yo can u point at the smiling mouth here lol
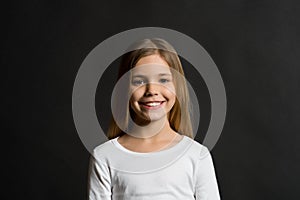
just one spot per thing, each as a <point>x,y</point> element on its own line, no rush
<point>152,104</point>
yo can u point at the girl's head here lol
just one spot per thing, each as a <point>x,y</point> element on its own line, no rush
<point>156,80</point>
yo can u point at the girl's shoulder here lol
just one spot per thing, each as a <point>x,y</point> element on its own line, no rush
<point>192,148</point>
<point>197,149</point>
<point>103,150</point>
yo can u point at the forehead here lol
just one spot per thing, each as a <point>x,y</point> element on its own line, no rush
<point>152,65</point>
<point>151,69</point>
<point>155,58</point>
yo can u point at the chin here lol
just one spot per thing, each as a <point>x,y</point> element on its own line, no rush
<point>156,116</point>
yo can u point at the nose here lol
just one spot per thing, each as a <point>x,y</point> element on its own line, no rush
<point>151,89</point>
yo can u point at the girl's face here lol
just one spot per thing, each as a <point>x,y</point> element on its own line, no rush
<point>153,91</point>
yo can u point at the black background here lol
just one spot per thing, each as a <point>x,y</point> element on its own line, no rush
<point>254,43</point>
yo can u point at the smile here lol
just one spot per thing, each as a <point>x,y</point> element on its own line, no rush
<point>152,104</point>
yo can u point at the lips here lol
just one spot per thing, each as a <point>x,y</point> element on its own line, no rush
<point>151,104</point>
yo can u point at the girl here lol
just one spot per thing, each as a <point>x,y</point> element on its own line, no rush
<point>151,153</point>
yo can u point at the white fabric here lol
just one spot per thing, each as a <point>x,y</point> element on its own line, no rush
<point>190,176</point>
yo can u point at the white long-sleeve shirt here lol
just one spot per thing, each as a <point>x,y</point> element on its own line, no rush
<point>183,172</point>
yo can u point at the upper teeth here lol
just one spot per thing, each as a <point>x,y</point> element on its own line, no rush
<point>152,104</point>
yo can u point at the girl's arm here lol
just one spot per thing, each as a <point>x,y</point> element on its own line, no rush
<point>206,187</point>
<point>99,183</point>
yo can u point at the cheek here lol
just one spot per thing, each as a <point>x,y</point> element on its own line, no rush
<point>170,96</point>
<point>136,95</point>
<point>170,92</point>
<point>171,88</point>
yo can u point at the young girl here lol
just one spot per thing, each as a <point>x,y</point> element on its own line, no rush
<point>151,153</point>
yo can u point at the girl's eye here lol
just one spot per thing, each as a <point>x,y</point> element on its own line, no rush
<point>138,82</point>
<point>164,80</point>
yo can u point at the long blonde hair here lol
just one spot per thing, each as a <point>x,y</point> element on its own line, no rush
<point>179,116</point>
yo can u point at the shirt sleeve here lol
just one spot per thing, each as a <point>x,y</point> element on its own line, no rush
<point>99,181</point>
<point>206,187</point>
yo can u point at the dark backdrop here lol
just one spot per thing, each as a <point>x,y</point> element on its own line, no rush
<point>255,44</point>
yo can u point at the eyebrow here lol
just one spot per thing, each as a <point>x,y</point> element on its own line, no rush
<point>143,76</point>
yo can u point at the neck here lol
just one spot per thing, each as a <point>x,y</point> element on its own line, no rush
<point>154,131</point>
